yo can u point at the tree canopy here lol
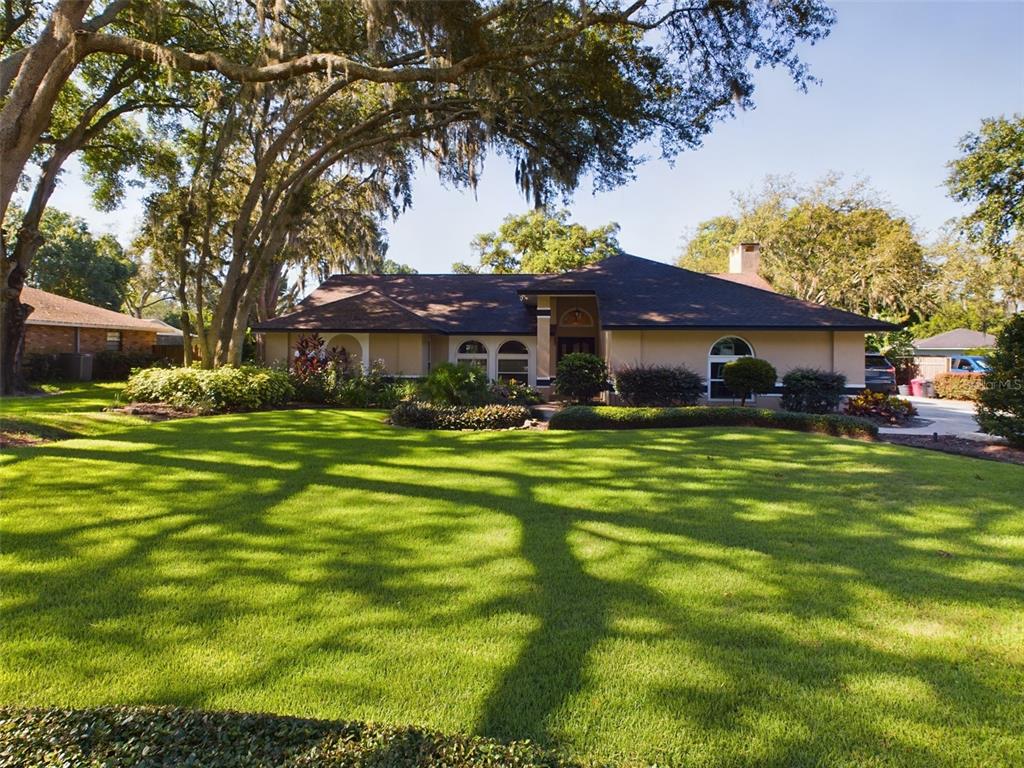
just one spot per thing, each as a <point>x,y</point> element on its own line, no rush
<point>78,265</point>
<point>989,175</point>
<point>828,243</point>
<point>541,241</point>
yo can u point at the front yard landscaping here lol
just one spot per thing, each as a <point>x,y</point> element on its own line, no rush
<point>714,596</point>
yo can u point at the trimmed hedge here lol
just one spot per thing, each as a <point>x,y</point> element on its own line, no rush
<point>119,737</point>
<point>111,365</point>
<point>960,386</point>
<point>580,377</point>
<point>611,417</point>
<point>247,388</point>
<point>427,416</point>
<point>658,385</point>
<point>809,390</point>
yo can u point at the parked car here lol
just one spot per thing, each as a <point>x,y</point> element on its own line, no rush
<point>879,374</point>
<point>968,364</point>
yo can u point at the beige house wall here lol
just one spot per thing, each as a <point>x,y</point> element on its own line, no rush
<point>402,354</point>
<point>842,352</point>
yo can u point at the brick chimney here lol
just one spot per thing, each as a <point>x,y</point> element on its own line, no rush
<point>745,259</point>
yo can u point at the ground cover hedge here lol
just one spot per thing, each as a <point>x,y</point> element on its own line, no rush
<point>428,416</point>
<point>959,386</point>
<point>612,417</point>
<point>247,388</point>
<point>159,737</point>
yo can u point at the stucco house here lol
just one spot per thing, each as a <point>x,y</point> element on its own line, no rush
<point>626,309</point>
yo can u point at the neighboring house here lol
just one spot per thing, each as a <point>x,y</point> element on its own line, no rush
<point>58,324</point>
<point>955,342</point>
<point>626,309</point>
<point>933,355</point>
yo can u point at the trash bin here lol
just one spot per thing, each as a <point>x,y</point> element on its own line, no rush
<point>929,389</point>
<point>917,387</point>
<point>903,389</point>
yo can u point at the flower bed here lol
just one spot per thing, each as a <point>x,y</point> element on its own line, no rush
<point>880,407</point>
<point>611,417</point>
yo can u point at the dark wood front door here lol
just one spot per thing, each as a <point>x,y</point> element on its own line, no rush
<point>569,344</point>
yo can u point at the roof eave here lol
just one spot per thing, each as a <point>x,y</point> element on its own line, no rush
<point>741,326</point>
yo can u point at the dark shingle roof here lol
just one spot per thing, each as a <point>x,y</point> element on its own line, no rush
<point>958,338</point>
<point>639,293</point>
<point>428,303</point>
<point>631,293</point>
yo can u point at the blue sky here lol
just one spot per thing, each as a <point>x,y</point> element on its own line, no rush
<point>900,83</point>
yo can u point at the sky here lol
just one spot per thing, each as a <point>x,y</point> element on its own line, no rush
<point>901,82</point>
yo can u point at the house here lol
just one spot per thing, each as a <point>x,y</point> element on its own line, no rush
<point>955,342</point>
<point>58,324</point>
<point>933,355</point>
<point>626,309</point>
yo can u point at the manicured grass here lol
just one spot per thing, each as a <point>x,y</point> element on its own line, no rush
<point>692,597</point>
<point>73,409</point>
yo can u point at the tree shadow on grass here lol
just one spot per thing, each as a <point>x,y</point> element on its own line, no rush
<point>804,526</point>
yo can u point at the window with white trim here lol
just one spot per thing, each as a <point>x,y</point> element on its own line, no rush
<point>472,353</point>
<point>723,352</point>
<point>514,362</point>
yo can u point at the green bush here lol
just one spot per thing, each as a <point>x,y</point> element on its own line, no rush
<point>112,365</point>
<point>513,392</point>
<point>581,377</point>
<point>40,368</point>
<point>1001,405</point>
<point>611,417</point>
<point>659,385</point>
<point>809,390</point>
<point>880,407</point>
<point>429,416</point>
<point>171,736</point>
<point>748,376</point>
<point>247,388</point>
<point>451,384</point>
<point>959,386</point>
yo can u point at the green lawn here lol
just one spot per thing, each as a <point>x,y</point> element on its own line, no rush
<point>72,409</point>
<point>692,597</point>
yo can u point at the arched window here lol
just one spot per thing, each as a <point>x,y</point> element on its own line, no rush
<point>577,317</point>
<point>514,362</point>
<point>724,351</point>
<point>472,353</point>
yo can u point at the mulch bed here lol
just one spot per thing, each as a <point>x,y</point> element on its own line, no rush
<point>960,446</point>
<point>154,411</point>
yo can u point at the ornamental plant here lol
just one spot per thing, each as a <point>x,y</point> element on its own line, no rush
<point>658,385</point>
<point>959,386</point>
<point>581,377</point>
<point>452,384</point>
<point>1001,403</point>
<point>809,390</point>
<point>748,376</point>
<point>880,407</point>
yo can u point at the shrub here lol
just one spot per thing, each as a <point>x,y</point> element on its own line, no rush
<point>880,407</point>
<point>428,416</point>
<point>581,377</point>
<point>1001,404</point>
<point>513,392</point>
<point>111,365</point>
<point>959,386</point>
<point>246,388</point>
<point>610,417</point>
<point>172,736</point>
<point>37,367</point>
<point>659,385</point>
<point>808,390</point>
<point>748,376</point>
<point>451,384</point>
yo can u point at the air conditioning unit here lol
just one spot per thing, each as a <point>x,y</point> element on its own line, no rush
<point>76,366</point>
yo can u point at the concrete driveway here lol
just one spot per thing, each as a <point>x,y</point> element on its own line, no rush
<point>948,417</point>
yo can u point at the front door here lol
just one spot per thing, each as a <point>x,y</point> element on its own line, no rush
<point>570,344</point>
